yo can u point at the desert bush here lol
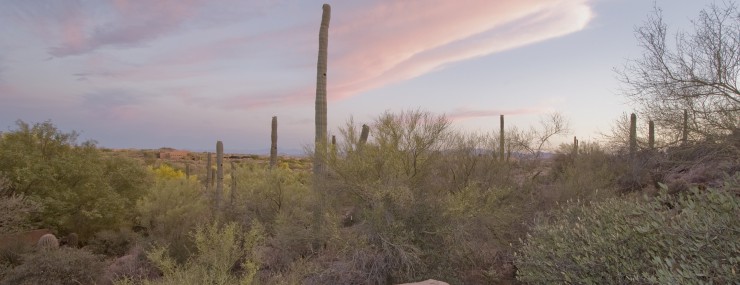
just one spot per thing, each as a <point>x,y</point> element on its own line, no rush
<point>11,255</point>
<point>419,200</point>
<point>386,185</point>
<point>589,175</point>
<point>78,188</point>
<point>219,249</point>
<point>173,207</point>
<point>113,243</point>
<point>262,193</point>
<point>63,266</point>
<point>132,268</point>
<point>687,238</point>
<point>17,213</point>
<point>291,238</point>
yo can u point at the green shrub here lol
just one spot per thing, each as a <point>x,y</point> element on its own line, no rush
<point>589,175</point>
<point>134,267</point>
<point>11,255</point>
<point>219,250</point>
<point>262,193</point>
<point>16,212</point>
<point>113,243</point>
<point>171,210</point>
<point>689,238</point>
<point>78,188</point>
<point>63,266</point>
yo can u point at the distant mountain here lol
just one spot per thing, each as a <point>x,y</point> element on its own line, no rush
<point>257,151</point>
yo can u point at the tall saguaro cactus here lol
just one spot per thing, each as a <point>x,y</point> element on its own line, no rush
<point>651,134</point>
<point>633,134</point>
<point>319,166</point>
<point>575,146</point>
<point>320,145</point>
<point>501,139</point>
<point>273,145</point>
<point>219,174</point>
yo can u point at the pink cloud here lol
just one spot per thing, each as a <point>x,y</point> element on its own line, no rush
<point>465,113</point>
<point>134,22</point>
<point>372,44</point>
<point>397,41</point>
<point>389,42</point>
<point>241,101</point>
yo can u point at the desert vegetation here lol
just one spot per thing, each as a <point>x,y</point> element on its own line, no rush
<point>402,198</point>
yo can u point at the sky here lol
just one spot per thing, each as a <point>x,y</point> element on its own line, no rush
<point>186,73</point>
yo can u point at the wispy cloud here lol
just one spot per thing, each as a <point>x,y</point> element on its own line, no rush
<point>115,103</point>
<point>372,44</point>
<point>378,44</point>
<point>396,41</point>
<point>134,22</point>
<point>80,27</point>
<point>465,113</point>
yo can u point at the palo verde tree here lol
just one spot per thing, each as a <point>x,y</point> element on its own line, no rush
<point>696,70</point>
<point>78,188</point>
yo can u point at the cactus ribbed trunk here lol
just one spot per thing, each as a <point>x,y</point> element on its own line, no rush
<point>232,193</point>
<point>651,134</point>
<point>363,135</point>
<point>333,147</point>
<point>685,138</point>
<point>187,171</point>
<point>320,144</point>
<point>273,144</point>
<point>219,174</point>
<point>501,139</point>
<point>633,135</point>
<point>209,178</point>
<point>575,146</point>
<point>319,164</point>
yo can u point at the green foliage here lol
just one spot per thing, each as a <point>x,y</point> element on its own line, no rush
<point>166,172</point>
<point>590,175</point>
<point>80,190</point>
<point>64,266</point>
<point>172,208</point>
<point>264,193</point>
<point>17,213</point>
<point>113,243</point>
<point>219,250</point>
<point>689,238</point>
